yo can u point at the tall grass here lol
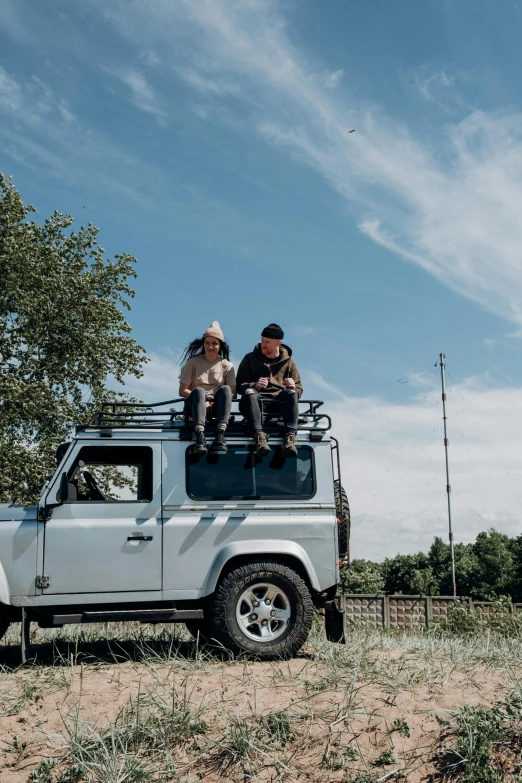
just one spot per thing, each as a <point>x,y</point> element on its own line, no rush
<point>333,712</point>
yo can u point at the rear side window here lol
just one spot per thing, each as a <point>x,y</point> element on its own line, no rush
<point>112,474</point>
<point>239,475</point>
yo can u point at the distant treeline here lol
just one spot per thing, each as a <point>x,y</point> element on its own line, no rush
<point>489,568</point>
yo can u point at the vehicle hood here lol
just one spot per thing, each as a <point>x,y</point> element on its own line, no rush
<point>10,512</point>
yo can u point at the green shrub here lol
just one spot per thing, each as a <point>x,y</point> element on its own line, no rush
<point>278,727</point>
<point>485,744</point>
<point>497,618</point>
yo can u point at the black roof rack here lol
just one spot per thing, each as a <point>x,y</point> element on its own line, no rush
<point>117,415</point>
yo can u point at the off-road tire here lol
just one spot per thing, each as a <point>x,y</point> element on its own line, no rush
<point>221,613</point>
<point>342,510</point>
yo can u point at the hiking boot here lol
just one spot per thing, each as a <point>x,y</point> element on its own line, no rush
<point>289,449</point>
<point>261,443</point>
<point>199,447</point>
<point>219,444</point>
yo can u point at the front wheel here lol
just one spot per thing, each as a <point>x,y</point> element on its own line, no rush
<point>262,608</point>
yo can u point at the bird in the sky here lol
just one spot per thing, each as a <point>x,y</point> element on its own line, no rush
<point>352,130</point>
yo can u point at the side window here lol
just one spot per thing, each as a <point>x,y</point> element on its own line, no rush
<point>239,475</point>
<point>111,474</point>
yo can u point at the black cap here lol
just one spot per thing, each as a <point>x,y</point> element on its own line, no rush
<point>273,331</point>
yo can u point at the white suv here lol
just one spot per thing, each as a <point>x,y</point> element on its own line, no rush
<point>132,527</point>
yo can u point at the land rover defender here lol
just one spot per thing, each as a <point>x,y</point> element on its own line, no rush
<point>133,527</point>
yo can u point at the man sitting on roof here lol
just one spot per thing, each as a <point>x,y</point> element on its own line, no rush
<point>269,373</point>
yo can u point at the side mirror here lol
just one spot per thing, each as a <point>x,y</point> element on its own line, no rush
<point>62,496</point>
<point>64,488</point>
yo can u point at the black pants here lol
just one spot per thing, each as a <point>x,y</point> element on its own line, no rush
<point>195,405</point>
<point>286,403</point>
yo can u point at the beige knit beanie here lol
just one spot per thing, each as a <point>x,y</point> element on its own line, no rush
<point>214,330</point>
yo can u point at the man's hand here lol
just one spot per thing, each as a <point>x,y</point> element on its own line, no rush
<point>262,384</point>
<point>289,383</point>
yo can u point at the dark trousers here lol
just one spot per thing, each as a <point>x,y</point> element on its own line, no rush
<point>196,408</point>
<point>286,404</point>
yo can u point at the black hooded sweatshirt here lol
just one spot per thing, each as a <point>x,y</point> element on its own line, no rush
<point>255,366</point>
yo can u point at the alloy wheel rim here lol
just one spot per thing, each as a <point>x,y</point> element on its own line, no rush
<point>263,612</point>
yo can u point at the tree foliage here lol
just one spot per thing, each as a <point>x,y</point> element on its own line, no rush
<point>63,337</point>
<point>363,576</point>
<point>488,569</point>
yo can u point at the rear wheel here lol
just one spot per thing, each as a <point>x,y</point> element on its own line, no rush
<point>342,509</point>
<point>263,608</point>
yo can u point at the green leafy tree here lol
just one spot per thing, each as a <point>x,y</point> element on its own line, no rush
<point>515,547</point>
<point>488,569</point>
<point>363,576</point>
<point>466,567</point>
<point>411,574</point>
<point>495,570</point>
<point>63,336</point>
<point>440,564</point>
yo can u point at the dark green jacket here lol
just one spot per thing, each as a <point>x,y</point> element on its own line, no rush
<point>255,366</point>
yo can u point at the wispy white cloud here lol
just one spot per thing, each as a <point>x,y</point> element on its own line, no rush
<point>149,57</point>
<point>66,114</point>
<point>31,101</point>
<point>142,94</point>
<point>394,470</point>
<point>41,130</point>
<point>160,380</point>
<point>455,212</point>
<point>204,83</point>
<point>435,85</point>
<point>333,78</point>
<point>325,386</point>
<point>10,93</point>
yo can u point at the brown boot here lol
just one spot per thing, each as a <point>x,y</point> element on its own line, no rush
<point>199,446</point>
<point>289,449</point>
<point>219,444</point>
<point>261,443</point>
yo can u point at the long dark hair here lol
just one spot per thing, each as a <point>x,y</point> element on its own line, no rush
<point>197,347</point>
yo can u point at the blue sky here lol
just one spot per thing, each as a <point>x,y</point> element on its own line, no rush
<point>211,140</point>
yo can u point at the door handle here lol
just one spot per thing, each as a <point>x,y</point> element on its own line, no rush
<point>139,538</point>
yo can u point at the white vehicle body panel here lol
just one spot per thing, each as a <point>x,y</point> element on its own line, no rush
<point>87,547</point>
<point>19,533</point>
<point>199,535</point>
<point>84,550</point>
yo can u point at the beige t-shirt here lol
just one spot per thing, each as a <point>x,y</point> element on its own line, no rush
<point>198,371</point>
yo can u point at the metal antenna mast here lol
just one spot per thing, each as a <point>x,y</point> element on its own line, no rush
<point>448,485</point>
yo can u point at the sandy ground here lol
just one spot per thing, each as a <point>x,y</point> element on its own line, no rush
<point>344,708</point>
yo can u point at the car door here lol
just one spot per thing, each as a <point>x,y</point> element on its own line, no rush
<point>107,537</point>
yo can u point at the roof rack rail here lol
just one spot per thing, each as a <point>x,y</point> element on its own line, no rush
<point>116,415</point>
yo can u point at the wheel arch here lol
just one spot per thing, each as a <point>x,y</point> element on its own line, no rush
<point>286,552</point>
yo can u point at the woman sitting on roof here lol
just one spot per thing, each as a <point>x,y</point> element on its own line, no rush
<point>208,381</point>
